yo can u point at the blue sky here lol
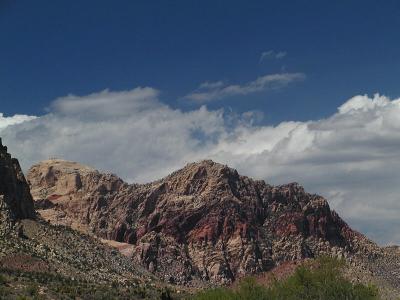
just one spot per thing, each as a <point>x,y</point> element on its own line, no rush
<point>54,48</point>
<point>284,91</point>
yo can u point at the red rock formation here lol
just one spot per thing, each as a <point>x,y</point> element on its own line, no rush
<point>204,221</point>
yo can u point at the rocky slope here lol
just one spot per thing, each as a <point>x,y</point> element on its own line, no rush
<point>61,263</point>
<point>204,222</point>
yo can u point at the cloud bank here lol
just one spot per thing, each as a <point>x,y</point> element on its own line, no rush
<point>209,91</point>
<point>352,158</point>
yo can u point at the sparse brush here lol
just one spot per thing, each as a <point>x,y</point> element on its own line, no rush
<point>309,282</point>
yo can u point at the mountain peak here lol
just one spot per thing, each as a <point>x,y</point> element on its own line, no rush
<point>211,167</point>
<point>62,165</point>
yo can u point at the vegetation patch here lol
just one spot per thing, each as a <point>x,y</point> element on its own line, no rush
<point>321,280</point>
<point>18,285</point>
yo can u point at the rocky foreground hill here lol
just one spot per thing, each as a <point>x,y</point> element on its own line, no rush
<point>207,223</point>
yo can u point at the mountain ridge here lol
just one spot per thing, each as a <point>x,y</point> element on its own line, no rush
<point>205,219</point>
<point>201,225</point>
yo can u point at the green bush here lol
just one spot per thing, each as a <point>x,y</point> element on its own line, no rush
<point>320,281</point>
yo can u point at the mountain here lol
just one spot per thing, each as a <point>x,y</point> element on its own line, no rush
<point>44,261</point>
<point>203,223</point>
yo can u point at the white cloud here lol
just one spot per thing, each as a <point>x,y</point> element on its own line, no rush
<point>107,104</point>
<point>128,132</point>
<point>271,54</point>
<point>209,91</point>
<point>352,157</point>
<point>16,119</point>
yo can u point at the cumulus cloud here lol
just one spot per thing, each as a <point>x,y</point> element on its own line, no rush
<point>16,119</point>
<point>352,158</point>
<point>129,132</point>
<point>209,91</point>
<point>271,54</point>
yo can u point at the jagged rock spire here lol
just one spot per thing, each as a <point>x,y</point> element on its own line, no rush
<point>15,199</point>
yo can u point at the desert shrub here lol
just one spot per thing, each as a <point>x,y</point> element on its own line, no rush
<point>216,294</point>
<point>3,280</point>
<point>3,290</point>
<point>322,280</point>
<point>32,290</point>
<point>166,294</point>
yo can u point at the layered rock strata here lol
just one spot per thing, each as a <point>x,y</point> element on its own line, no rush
<point>203,222</point>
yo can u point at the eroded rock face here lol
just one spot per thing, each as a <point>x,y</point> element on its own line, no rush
<point>71,194</point>
<point>15,199</point>
<point>203,222</point>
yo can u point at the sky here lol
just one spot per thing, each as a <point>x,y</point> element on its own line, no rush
<point>284,91</point>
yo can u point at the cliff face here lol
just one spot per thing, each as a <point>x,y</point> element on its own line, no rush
<point>203,222</point>
<point>15,199</point>
<point>78,196</point>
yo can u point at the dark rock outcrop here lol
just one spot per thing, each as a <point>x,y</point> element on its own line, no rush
<point>203,222</point>
<point>16,202</point>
